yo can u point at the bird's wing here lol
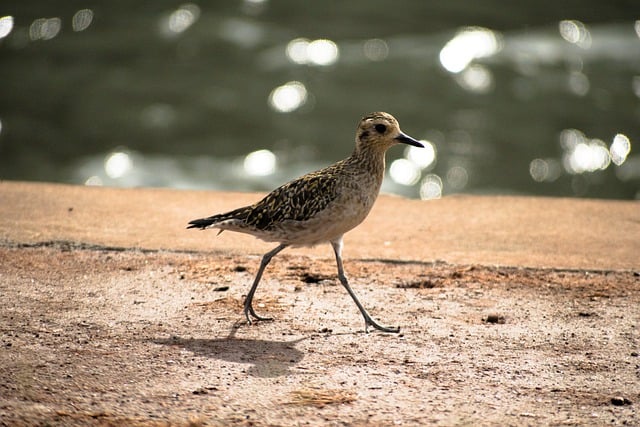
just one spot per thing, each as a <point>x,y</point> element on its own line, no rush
<point>297,200</point>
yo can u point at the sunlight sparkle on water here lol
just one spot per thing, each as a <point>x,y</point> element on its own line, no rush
<point>297,50</point>
<point>404,172</point>
<point>320,52</point>
<point>575,32</point>
<point>457,178</point>
<point>579,83</point>
<point>376,49</point>
<point>288,97</point>
<point>467,45</point>
<point>6,25</point>
<point>82,19</point>
<point>44,28</point>
<point>180,19</point>
<point>421,157</point>
<point>545,170</point>
<point>588,156</point>
<point>118,164</point>
<point>620,148</point>
<point>260,163</point>
<point>476,78</point>
<point>582,154</point>
<point>431,187</point>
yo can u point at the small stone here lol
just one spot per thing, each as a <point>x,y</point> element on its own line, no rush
<point>495,318</point>
<point>620,401</point>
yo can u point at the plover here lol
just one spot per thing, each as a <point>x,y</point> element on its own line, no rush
<point>321,206</point>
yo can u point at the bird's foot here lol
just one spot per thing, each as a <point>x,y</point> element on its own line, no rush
<point>250,312</point>
<point>368,321</point>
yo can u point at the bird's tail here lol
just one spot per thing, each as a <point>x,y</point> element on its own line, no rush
<point>211,221</point>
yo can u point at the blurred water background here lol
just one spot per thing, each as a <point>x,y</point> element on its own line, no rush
<point>539,98</point>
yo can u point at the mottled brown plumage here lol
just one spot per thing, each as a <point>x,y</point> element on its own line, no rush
<point>320,206</point>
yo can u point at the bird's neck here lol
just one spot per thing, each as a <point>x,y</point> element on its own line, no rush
<point>369,159</point>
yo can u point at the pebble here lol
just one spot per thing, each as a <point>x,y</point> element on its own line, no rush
<point>620,401</point>
<point>495,318</point>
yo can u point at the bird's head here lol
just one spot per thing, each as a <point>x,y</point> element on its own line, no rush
<point>380,131</point>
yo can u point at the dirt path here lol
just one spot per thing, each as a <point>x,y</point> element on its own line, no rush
<point>102,337</point>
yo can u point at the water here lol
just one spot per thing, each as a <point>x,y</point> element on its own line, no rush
<point>540,99</point>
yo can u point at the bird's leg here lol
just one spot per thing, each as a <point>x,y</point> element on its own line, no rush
<point>248,308</point>
<point>368,321</point>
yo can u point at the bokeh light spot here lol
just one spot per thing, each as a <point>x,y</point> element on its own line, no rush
<point>404,172</point>
<point>297,51</point>
<point>431,187</point>
<point>467,45</point>
<point>288,97</point>
<point>586,156</point>
<point>476,78</point>
<point>118,164</point>
<point>260,163</point>
<point>82,19</point>
<point>44,28</point>
<point>183,18</point>
<point>545,170</point>
<point>457,178</point>
<point>322,52</point>
<point>620,148</point>
<point>421,157</point>
<point>575,32</point>
<point>579,83</point>
<point>376,49</point>
<point>180,20</point>
<point>6,25</point>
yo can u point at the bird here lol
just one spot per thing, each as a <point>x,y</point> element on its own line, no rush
<point>319,207</point>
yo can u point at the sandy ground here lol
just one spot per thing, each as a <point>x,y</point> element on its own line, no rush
<point>113,314</point>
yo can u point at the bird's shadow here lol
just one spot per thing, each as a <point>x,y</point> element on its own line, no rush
<point>268,358</point>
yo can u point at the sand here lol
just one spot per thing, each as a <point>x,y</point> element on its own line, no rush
<point>514,311</point>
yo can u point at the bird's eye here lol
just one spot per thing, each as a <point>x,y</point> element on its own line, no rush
<point>381,128</point>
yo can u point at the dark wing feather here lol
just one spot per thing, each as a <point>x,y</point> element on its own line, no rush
<point>297,200</point>
<point>202,223</point>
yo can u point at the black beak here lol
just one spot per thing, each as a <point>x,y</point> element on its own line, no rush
<point>406,139</point>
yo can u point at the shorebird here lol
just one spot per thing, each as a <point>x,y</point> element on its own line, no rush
<point>321,206</point>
